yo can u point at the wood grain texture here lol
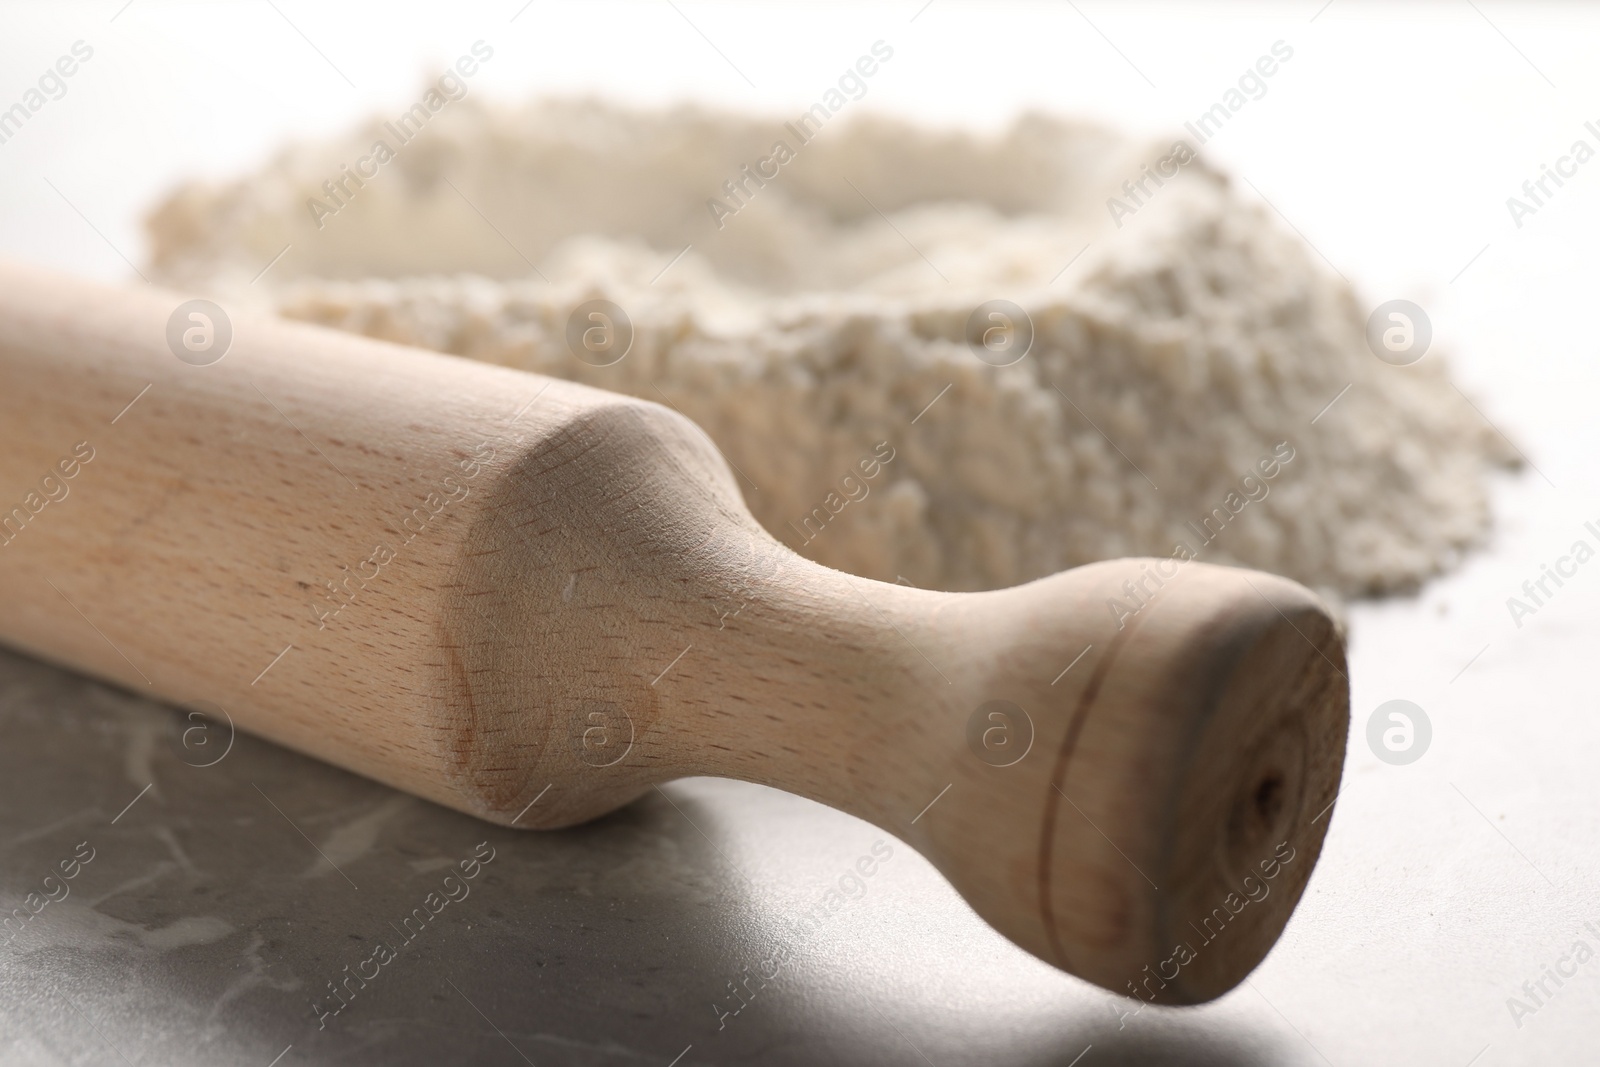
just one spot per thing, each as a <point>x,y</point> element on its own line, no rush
<point>491,588</point>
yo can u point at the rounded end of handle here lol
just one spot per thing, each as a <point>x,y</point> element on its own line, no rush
<point>1163,830</point>
<point>1254,793</point>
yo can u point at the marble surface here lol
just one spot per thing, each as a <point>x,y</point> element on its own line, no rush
<point>220,899</point>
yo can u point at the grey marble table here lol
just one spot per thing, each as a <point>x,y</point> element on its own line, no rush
<point>217,893</point>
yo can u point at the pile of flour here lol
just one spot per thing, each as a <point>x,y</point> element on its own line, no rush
<point>809,322</point>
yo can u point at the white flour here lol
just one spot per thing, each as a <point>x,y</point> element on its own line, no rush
<point>808,332</point>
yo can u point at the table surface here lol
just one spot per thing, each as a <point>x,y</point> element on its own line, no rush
<point>221,900</point>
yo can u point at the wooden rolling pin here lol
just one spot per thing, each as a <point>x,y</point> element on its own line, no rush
<point>490,588</point>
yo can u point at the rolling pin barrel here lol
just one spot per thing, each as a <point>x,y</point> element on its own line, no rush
<point>491,588</point>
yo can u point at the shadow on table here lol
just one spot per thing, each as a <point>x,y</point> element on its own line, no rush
<point>1209,1046</point>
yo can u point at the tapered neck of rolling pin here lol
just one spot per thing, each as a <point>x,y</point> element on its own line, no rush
<point>850,691</point>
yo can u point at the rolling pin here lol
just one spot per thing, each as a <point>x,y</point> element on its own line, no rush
<point>531,600</point>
